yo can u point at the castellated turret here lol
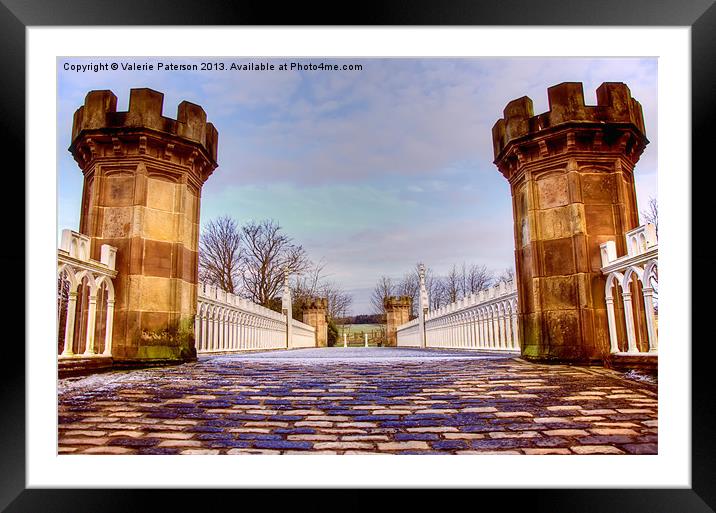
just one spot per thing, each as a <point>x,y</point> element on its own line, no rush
<point>317,303</point>
<point>315,313</point>
<point>143,129</point>
<point>397,312</point>
<point>143,175</point>
<point>615,122</point>
<point>571,176</point>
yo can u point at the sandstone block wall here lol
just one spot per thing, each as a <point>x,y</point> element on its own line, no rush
<point>571,175</point>
<point>315,314</point>
<point>143,175</point>
<point>397,312</point>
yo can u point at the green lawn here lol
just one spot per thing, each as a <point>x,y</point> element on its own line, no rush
<point>357,328</point>
<point>356,333</point>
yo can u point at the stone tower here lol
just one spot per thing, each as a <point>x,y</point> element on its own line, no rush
<point>571,175</point>
<point>397,312</point>
<point>315,314</point>
<point>143,175</point>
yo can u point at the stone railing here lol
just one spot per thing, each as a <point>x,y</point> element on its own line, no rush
<point>486,320</point>
<point>85,298</point>
<point>226,322</point>
<point>631,303</point>
<point>302,335</point>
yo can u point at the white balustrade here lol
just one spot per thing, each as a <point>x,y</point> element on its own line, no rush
<point>303,335</point>
<point>226,323</point>
<point>486,321</point>
<point>632,318</point>
<point>85,297</point>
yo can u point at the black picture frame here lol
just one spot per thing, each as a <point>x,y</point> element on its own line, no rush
<point>16,15</point>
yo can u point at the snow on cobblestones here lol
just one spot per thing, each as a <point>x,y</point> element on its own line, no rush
<point>358,400</point>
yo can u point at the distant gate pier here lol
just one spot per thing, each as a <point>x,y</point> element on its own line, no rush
<point>397,311</point>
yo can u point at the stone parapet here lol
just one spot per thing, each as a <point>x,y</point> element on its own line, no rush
<point>99,112</point>
<point>566,103</point>
<point>398,302</point>
<point>316,304</point>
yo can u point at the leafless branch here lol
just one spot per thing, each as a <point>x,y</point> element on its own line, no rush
<point>220,254</point>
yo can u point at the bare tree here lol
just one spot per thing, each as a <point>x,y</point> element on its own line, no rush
<point>307,283</point>
<point>315,283</point>
<point>220,254</point>
<point>435,287</point>
<point>268,254</point>
<point>452,283</point>
<point>338,300</point>
<point>651,214</point>
<point>508,274</point>
<point>304,287</point>
<point>409,286</point>
<point>456,284</point>
<point>477,278</point>
<point>382,290</point>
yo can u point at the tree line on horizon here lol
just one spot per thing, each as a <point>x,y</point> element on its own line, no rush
<point>459,282</point>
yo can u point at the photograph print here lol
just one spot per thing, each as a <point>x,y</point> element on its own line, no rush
<point>357,256</point>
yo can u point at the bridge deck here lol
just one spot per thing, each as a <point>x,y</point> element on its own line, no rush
<point>358,400</point>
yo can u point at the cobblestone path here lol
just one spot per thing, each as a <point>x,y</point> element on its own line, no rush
<point>350,401</point>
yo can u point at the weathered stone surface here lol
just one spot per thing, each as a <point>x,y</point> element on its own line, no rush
<point>397,312</point>
<point>315,314</point>
<point>571,174</point>
<point>143,175</point>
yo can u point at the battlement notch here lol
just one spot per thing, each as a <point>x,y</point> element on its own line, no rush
<point>99,112</point>
<point>615,105</point>
<point>317,303</point>
<point>397,302</point>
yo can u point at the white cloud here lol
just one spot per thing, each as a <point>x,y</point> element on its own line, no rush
<point>371,170</point>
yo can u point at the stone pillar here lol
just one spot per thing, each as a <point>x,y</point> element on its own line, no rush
<point>314,314</point>
<point>70,324</point>
<point>287,309</point>
<point>143,174</point>
<point>571,175</point>
<point>650,318</point>
<point>397,312</point>
<point>423,306</point>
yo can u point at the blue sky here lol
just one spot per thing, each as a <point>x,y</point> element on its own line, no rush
<point>372,170</point>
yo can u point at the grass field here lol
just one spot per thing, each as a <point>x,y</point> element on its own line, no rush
<point>357,328</point>
<point>356,332</point>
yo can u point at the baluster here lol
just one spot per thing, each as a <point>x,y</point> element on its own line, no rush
<point>648,293</point>
<point>108,328</point>
<point>629,318</point>
<point>611,318</point>
<point>91,319</point>
<point>70,325</point>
